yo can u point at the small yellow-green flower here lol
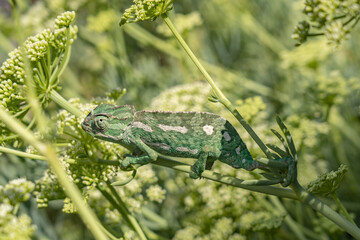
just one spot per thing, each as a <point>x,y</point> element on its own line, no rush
<point>143,10</point>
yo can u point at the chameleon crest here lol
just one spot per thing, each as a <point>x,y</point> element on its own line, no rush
<point>204,136</point>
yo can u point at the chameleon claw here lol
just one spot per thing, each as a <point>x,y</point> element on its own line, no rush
<point>125,165</point>
<point>194,175</point>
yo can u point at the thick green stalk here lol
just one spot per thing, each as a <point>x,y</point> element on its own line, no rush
<point>146,38</point>
<point>56,97</point>
<point>153,217</point>
<point>342,208</point>
<point>217,91</point>
<point>31,92</point>
<point>183,167</point>
<point>21,154</point>
<point>288,219</point>
<point>134,223</point>
<point>59,70</point>
<point>108,233</point>
<point>217,177</point>
<point>124,213</point>
<point>70,189</point>
<point>317,205</point>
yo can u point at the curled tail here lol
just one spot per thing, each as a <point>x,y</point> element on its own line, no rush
<point>234,151</point>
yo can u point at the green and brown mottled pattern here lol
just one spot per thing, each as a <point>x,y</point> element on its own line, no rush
<point>200,135</point>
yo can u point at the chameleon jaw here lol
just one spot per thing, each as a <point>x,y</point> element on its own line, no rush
<point>86,127</point>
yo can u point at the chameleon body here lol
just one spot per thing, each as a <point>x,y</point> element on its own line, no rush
<point>204,136</point>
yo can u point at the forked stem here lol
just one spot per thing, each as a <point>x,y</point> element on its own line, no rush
<point>317,205</point>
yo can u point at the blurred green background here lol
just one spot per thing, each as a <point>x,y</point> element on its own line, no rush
<point>247,48</point>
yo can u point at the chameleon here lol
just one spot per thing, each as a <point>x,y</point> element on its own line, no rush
<point>204,136</point>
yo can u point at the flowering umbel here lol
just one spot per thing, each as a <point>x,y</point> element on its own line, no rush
<point>334,19</point>
<point>48,54</point>
<point>143,10</point>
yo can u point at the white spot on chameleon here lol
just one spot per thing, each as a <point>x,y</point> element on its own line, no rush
<point>226,136</point>
<point>208,129</point>
<point>185,149</point>
<point>173,128</point>
<point>142,126</point>
<point>237,150</point>
<point>161,145</point>
<point>165,146</point>
<point>244,160</point>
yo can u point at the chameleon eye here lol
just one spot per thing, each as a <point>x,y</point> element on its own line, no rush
<point>100,123</point>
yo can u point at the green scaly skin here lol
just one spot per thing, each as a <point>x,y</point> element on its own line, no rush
<point>200,135</point>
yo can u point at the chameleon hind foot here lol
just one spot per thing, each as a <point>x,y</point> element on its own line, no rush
<point>194,175</point>
<point>125,165</point>
<point>199,166</point>
<point>291,172</point>
<point>288,170</point>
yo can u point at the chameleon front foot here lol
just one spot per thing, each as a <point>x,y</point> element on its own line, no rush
<point>200,165</point>
<point>125,165</point>
<point>131,162</point>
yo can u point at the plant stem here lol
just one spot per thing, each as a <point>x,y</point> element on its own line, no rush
<point>317,205</point>
<point>70,189</point>
<point>109,234</point>
<point>288,219</point>
<point>21,154</point>
<point>124,212</point>
<point>217,177</point>
<point>146,38</point>
<point>134,223</point>
<point>63,62</point>
<point>342,208</point>
<point>31,92</point>
<point>153,217</point>
<point>56,97</point>
<point>217,91</point>
<point>183,167</point>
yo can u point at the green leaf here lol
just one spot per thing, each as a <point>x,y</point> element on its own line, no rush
<point>282,140</point>
<point>288,137</point>
<point>276,149</point>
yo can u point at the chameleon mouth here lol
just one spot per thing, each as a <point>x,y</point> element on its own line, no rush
<point>86,127</point>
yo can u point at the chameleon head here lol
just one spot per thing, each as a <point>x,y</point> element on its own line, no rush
<point>108,122</point>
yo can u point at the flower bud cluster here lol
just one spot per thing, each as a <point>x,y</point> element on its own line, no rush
<point>16,191</point>
<point>301,31</point>
<point>336,32</point>
<point>327,183</point>
<point>143,10</point>
<point>41,50</point>
<point>65,19</point>
<point>333,17</point>
<point>37,46</point>
<point>13,226</point>
<point>12,82</point>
